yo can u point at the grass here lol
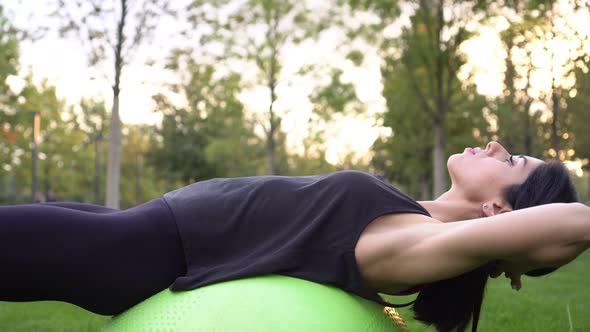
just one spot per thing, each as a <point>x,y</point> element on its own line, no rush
<point>48,317</point>
<point>541,305</point>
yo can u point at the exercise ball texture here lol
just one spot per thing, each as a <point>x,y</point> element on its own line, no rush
<point>269,303</point>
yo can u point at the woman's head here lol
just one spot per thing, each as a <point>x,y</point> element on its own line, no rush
<point>547,183</point>
<point>481,175</point>
<point>450,304</point>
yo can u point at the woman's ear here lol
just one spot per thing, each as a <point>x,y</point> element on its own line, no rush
<point>496,206</point>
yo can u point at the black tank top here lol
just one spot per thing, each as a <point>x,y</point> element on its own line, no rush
<point>305,227</point>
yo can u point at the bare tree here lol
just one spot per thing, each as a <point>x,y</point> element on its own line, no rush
<point>111,32</point>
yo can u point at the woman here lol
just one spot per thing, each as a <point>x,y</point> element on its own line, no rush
<point>350,229</point>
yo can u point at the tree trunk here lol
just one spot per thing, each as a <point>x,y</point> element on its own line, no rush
<point>270,146</point>
<point>114,167</point>
<point>138,188</point>
<point>425,188</point>
<point>442,103</point>
<point>270,139</point>
<point>272,39</point>
<point>97,169</point>
<point>511,99</point>
<point>439,163</point>
<point>554,135</point>
<point>46,180</point>
<point>528,135</point>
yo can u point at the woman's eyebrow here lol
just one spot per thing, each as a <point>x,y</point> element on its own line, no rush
<point>525,159</point>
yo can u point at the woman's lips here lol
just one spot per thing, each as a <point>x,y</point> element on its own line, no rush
<point>473,151</point>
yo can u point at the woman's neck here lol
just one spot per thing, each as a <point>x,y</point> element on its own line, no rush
<point>452,206</point>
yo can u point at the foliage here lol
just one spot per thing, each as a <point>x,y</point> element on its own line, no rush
<point>9,54</point>
<point>405,157</point>
<point>61,169</point>
<point>9,65</point>
<point>256,35</point>
<point>579,108</point>
<point>423,62</point>
<point>140,181</point>
<point>215,135</point>
<point>94,121</point>
<point>539,36</point>
<point>207,138</point>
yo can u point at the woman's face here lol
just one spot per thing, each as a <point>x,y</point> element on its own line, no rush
<point>482,174</point>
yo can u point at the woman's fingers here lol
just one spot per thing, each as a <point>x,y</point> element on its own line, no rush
<point>514,277</point>
<point>515,282</point>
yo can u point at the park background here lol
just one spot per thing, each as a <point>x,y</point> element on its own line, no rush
<point>226,88</point>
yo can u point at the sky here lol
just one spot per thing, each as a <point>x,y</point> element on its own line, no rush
<point>62,62</point>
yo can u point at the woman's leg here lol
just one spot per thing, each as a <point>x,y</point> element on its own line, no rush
<point>102,261</point>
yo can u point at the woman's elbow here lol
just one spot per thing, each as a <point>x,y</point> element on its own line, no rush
<point>581,211</point>
<point>580,216</point>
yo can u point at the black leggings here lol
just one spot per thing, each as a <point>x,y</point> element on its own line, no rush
<point>100,259</point>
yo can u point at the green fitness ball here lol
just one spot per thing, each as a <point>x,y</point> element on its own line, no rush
<point>268,303</point>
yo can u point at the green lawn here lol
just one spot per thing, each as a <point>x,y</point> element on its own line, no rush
<point>47,317</point>
<point>541,305</point>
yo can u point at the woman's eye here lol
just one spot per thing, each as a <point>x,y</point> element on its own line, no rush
<point>510,161</point>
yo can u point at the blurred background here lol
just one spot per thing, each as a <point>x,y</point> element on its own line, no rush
<point>117,102</point>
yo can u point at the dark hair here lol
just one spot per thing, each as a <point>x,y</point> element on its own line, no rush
<point>450,304</point>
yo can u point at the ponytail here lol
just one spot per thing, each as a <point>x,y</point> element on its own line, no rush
<point>449,305</point>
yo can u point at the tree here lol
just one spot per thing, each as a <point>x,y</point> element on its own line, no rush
<point>559,35</point>
<point>95,124</point>
<point>9,55</point>
<point>513,107</point>
<point>209,137</point>
<point>405,156</point>
<point>429,50</point>
<point>544,47</point>
<point>64,161</point>
<point>119,27</point>
<point>140,182</point>
<point>331,103</point>
<point>580,126</point>
<point>256,34</point>
<point>9,93</point>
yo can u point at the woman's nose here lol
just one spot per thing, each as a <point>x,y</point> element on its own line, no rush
<point>491,147</point>
<point>494,148</point>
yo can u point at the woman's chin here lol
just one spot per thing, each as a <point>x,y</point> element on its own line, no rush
<point>454,165</point>
<point>453,159</point>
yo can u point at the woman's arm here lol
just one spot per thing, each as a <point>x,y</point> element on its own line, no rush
<point>544,236</point>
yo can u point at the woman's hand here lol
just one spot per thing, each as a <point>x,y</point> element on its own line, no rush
<point>515,280</point>
<point>515,277</point>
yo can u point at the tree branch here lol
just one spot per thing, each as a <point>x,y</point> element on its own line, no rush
<point>421,95</point>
